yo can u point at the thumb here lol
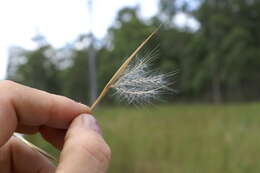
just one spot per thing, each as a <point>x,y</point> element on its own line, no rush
<point>84,149</point>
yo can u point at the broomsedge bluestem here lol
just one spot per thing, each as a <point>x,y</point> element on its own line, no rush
<point>135,82</point>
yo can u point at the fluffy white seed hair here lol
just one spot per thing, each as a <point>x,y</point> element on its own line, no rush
<point>139,84</point>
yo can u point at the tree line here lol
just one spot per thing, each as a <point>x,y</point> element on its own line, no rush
<point>219,61</point>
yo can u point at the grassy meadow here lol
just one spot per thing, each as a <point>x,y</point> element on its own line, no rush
<point>181,138</point>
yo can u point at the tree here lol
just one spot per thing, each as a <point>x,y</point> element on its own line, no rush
<point>227,27</point>
<point>75,79</point>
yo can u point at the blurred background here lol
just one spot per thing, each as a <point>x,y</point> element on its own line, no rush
<point>211,125</point>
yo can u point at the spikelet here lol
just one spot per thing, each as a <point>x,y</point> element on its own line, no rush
<point>140,84</point>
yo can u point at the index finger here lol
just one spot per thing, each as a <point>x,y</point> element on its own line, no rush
<point>32,107</point>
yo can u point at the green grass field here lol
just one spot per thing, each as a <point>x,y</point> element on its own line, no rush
<point>182,138</point>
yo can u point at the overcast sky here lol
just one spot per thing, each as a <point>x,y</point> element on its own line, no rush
<point>60,21</point>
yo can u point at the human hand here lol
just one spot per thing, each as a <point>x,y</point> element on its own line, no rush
<point>27,110</point>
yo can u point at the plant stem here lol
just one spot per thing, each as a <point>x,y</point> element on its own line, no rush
<point>52,158</point>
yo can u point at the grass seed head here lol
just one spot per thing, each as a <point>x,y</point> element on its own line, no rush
<point>140,84</point>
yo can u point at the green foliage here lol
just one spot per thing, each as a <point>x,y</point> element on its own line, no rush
<point>75,77</point>
<point>126,35</point>
<point>227,27</point>
<point>39,71</point>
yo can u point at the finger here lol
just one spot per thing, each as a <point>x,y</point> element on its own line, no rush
<point>54,136</point>
<point>20,154</point>
<point>33,107</point>
<point>84,150</point>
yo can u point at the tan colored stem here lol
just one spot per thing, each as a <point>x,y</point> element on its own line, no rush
<point>120,71</point>
<point>52,158</point>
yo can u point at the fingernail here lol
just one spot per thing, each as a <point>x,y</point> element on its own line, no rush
<point>90,122</point>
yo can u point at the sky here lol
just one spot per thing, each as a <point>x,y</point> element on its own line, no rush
<point>61,21</point>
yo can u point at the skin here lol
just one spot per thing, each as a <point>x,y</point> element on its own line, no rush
<point>61,121</point>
